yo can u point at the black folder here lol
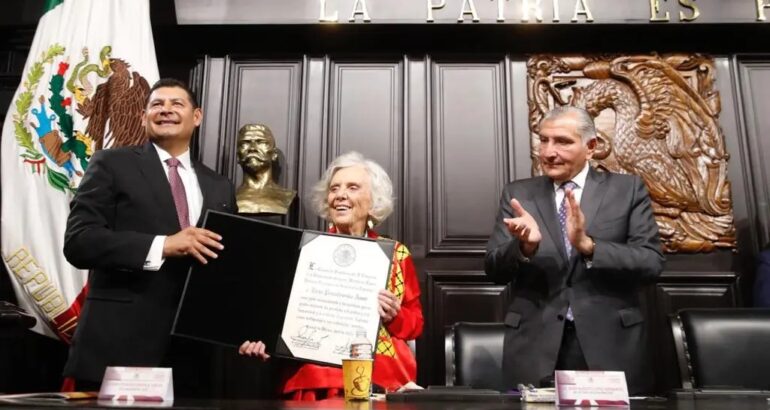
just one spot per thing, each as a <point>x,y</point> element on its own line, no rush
<point>243,294</point>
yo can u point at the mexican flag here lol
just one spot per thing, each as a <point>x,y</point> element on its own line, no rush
<point>83,89</point>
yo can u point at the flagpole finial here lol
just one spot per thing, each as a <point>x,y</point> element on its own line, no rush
<point>50,4</point>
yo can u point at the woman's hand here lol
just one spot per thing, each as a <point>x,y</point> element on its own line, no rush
<point>389,305</point>
<point>255,349</point>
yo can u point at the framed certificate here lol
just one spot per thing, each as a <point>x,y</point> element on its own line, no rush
<point>334,293</point>
<point>303,293</point>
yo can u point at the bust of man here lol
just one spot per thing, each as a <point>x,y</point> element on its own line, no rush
<point>259,193</point>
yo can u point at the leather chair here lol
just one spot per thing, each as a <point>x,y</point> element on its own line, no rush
<point>474,355</point>
<point>723,348</point>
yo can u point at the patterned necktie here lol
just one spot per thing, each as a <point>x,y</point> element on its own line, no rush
<point>563,223</point>
<point>178,192</point>
<point>563,215</point>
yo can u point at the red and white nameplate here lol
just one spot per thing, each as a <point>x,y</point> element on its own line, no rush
<point>591,388</point>
<point>129,384</point>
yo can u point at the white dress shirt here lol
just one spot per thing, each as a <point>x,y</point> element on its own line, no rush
<point>194,197</point>
<point>579,180</point>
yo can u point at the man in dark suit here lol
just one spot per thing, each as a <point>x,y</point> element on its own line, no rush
<point>576,245</point>
<point>132,222</point>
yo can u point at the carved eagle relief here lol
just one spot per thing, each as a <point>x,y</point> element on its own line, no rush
<point>657,117</point>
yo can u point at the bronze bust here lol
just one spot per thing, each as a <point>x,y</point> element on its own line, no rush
<point>259,193</point>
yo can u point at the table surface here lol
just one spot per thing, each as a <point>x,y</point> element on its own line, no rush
<point>657,404</point>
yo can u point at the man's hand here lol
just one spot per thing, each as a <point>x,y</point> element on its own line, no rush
<point>255,349</point>
<point>192,241</point>
<point>389,305</point>
<point>576,221</point>
<point>524,228</point>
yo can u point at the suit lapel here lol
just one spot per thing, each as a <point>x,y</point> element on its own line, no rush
<point>590,203</point>
<point>592,195</point>
<point>207,187</point>
<point>157,182</point>
<point>546,205</point>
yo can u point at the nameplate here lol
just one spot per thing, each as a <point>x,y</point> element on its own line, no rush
<point>140,384</point>
<point>591,388</point>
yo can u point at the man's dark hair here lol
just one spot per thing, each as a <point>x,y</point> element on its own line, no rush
<point>173,82</point>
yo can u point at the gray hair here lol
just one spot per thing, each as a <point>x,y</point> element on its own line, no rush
<point>585,128</point>
<point>381,186</point>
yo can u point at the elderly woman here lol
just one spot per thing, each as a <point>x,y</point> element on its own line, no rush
<point>355,195</point>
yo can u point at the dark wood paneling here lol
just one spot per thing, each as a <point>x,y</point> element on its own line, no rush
<point>744,193</point>
<point>366,115</point>
<point>672,296</point>
<point>266,92</point>
<point>468,163</point>
<point>450,133</point>
<point>313,132</point>
<point>455,296</point>
<point>207,81</point>
<point>416,149</point>
<point>755,82</point>
<point>455,269</point>
<point>672,293</point>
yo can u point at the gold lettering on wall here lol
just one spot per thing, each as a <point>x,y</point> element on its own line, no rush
<point>657,116</point>
<point>432,6</point>
<point>655,10</point>
<point>469,9</point>
<point>359,8</point>
<point>324,17</point>
<point>690,4</point>
<point>556,11</point>
<point>534,11</point>
<point>761,6</point>
<point>584,10</point>
<point>531,5</point>
<point>501,10</point>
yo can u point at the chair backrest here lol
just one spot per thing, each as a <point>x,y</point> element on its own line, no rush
<point>724,348</point>
<point>474,355</point>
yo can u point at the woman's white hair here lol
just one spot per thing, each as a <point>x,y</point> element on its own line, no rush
<point>381,186</point>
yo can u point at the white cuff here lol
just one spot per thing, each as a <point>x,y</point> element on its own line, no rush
<point>154,259</point>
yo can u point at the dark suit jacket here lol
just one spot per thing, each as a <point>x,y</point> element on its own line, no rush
<point>604,299</point>
<point>123,202</point>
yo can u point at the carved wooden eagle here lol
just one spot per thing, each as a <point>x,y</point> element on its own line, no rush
<point>664,128</point>
<point>115,110</point>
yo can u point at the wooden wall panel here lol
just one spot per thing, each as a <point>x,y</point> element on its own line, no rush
<point>754,75</point>
<point>665,298</point>
<point>456,296</point>
<point>672,297</point>
<point>206,81</point>
<point>469,165</point>
<point>313,130</point>
<point>266,92</point>
<point>366,115</point>
<point>451,133</point>
<point>415,154</point>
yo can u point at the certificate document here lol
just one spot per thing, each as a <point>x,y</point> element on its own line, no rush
<point>303,293</point>
<point>333,295</point>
